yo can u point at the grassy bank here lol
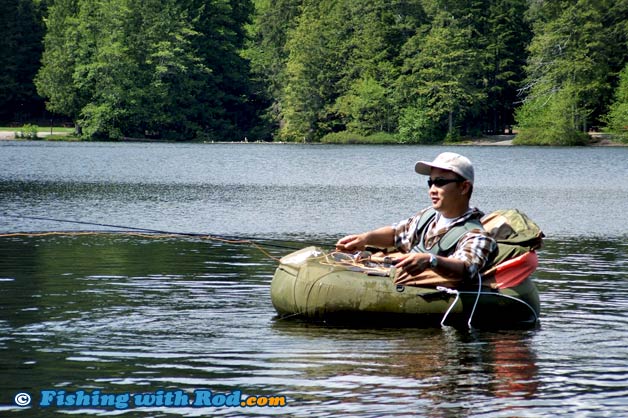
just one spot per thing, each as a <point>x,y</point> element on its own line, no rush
<point>59,133</point>
<point>28,131</point>
<point>53,129</point>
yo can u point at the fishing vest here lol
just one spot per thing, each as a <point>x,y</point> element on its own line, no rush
<point>446,245</point>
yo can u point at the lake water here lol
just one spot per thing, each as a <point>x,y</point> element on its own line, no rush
<point>117,314</point>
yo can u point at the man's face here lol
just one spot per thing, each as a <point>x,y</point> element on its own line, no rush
<point>449,198</point>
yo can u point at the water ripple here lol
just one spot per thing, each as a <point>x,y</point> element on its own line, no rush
<point>130,314</point>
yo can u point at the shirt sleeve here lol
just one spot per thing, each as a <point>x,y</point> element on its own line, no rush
<point>475,248</point>
<point>405,232</point>
<point>402,235</point>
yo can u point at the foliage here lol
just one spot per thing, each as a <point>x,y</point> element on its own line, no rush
<point>416,125</point>
<point>365,106</point>
<point>28,131</point>
<point>268,33</point>
<point>444,69</point>
<point>551,120</point>
<point>166,69</point>
<point>503,59</point>
<point>219,97</point>
<point>567,70</point>
<point>363,66</point>
<point>382,138</point>
<point>342,66</point>
<point>617,117</point>
<point>343,137</point>
<point>54,79</point>
<point>307,86</point>
<point>421,71</point>
<point>346,137</point>
<point>137,86</point>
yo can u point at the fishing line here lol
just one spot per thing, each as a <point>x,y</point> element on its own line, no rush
<point>152,233</point>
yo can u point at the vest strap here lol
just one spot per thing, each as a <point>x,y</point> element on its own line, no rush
<point>447,243</point>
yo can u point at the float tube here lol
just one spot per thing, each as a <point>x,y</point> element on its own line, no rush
<point>334,288</point>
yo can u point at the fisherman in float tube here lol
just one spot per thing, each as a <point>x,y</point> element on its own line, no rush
<point>447,238</point>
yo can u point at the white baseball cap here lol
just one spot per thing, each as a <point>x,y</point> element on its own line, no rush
<point>448,161</point>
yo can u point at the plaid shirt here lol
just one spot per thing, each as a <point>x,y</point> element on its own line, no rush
<point>474,248</point>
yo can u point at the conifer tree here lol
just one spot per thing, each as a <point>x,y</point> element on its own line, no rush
<point>342,67</point>
<point>168,69</point>
<point>268,55</point>
<point>441,70</point>
<point>567,72</point>
<point>507,37</point>
<point>224,105</point>
<point>378,31</point>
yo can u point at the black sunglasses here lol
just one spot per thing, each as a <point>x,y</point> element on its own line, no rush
<point>440,182</point>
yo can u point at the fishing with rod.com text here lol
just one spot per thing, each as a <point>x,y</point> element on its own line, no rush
<point>200,398</point>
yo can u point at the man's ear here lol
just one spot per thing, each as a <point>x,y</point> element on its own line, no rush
<point>466,187</point>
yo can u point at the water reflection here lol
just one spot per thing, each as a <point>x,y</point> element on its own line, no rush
<point>409,367</point>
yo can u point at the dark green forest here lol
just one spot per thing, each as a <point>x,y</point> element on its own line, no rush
<point>411,71</point>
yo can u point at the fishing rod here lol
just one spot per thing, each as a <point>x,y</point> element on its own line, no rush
<point>227,238</point>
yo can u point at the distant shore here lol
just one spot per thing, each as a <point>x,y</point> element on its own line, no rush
<point>43,134</point>
<point>495,140</point>
<point>597,139</point>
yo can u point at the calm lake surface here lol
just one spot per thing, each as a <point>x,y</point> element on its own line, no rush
<point>121,313</point>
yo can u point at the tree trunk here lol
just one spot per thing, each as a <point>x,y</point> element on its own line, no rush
<point>451,122</point>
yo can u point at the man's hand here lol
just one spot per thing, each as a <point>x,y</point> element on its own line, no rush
<point>352,243</point>
<point>383,237</point>
<point>409,266</point>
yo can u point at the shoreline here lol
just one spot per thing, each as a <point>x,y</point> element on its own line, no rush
<point>597,140</point>
<point>10,135</point>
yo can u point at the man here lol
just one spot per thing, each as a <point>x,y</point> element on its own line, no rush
<point>446,238</point>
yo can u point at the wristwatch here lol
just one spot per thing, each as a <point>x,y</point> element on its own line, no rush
<point>433,261</point>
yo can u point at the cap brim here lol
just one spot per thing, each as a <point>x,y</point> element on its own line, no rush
<point>425,168</point>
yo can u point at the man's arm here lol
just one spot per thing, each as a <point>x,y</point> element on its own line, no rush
<point>472,252</point>
<point>383,237</point>
<point>409,266</point>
